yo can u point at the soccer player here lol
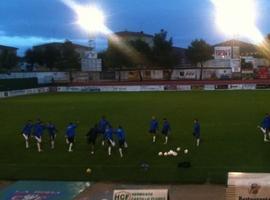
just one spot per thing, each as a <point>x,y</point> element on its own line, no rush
<point>52,133</point>
<point>109,137</point>
<point>70,135</point>
<point>38,132</point>
<point>26,132</point>
<point>197,131</point>
<point>265,127</point>
<point>166,129</point>
<point>91,137</point>
<point>153,128</point>
<point>121,135</point>
<point>102,124</point>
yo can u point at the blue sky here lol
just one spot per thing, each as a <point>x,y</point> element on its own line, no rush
<point>24,23</point>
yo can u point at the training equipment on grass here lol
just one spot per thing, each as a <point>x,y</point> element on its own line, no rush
<point>169,153</point>
<point>186,151</point>
<point>178,149</point>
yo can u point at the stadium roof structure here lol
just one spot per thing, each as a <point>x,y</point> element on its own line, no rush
<point>130,33</point>
<point>7,47</point>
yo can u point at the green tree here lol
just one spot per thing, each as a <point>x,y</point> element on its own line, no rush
<point>51,57</point>
<point>29,57</point>
<point>8,60</point>
<point>143,53</point>
<point>33,56</point>
<point>199,51</point>
<point>137,53</point>
<point>70,59</point>
<point>116,58</point>
<point>162,53</point>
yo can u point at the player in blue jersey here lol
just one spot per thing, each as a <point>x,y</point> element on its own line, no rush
<point>70,135</point>
<point>197,131</point>
<point>153,128</point>
<point>166,129</point>
<point>121,136</point>
<point>92,137</point>
<point>38,132</point>
<point>52,133</point>
<point>265,127</point>
<point>109,138</point>
<point>102,124</point>
<point>26,132</point>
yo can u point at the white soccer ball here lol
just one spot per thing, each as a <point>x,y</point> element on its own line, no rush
<point>175,154</point>
<point>160,153</point>
<point>186,151</point>
<point>169,153</point>
<point>88,171</point>
<point>165,154</point>
<point>87,184</point>
<point>178,149</point>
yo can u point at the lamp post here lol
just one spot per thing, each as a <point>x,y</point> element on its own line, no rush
<point>92,20</point>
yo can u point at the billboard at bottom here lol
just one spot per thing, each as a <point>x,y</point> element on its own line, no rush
<point>156,194</point>
<point>248,186</point>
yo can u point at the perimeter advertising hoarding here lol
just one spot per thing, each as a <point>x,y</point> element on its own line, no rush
<point>14,93</point>
<point>248,186</point>
<point>235,87</point>
<point>157,194</point>
<point>249,86</point>
<point>209,87</point>
<point>183,87</point>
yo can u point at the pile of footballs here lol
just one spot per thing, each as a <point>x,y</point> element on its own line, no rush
<point>172,152</point>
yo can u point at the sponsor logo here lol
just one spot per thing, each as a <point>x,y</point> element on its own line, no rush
<point>254,188</point>
<point>122,196</point>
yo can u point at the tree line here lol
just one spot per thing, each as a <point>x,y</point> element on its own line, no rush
<point>139,54</point>
<point>63,58</point>
<point>119,55</point>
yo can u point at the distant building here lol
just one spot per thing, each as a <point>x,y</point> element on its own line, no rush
<point>9,49</point>
<point>235,54</point>
<point>89,60</point>
<point>127,36</point>
<point>80,49</point>
<point>245,48</point>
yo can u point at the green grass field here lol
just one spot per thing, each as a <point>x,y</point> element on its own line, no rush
<point>231,141</point>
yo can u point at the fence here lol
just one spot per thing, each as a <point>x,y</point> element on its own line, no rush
<point>141,75</point>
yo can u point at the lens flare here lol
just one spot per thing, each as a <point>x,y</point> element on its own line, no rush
<point>92,19</point>
<point>238,18</point>
<point>89,17</point>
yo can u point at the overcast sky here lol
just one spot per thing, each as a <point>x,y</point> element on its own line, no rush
<point>24,23</point>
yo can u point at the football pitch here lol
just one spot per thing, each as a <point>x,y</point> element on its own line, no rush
<point>230,138</point>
